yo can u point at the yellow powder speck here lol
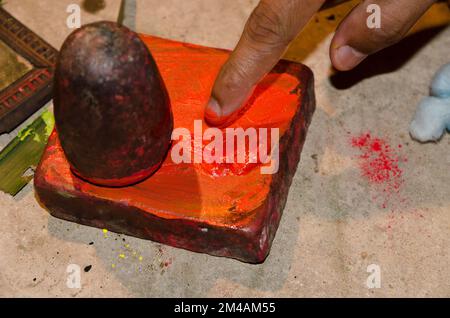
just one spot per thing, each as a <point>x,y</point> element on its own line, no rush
<point>140,258</point>
<point>113,265</point>
<point>122,255</point>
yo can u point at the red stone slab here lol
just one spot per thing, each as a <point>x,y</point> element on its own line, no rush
<point>227,210</point>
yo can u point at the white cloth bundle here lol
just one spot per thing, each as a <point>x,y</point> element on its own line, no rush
<point>433,113</point>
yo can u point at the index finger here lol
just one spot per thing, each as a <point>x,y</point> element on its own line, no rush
<point>267,34</point>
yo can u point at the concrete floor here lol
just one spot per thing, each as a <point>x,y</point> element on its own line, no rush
<point>334,225</point>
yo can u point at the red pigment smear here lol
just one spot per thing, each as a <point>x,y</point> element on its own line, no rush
<point>379,164</point>
<point>168,263</point>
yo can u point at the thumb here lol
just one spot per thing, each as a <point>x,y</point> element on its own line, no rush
<point>267,34</point>
<point>372,26</point>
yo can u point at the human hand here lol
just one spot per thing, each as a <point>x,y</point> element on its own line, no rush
<point>275,23</point>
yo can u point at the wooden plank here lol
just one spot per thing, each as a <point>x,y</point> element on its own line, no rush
<point>23,153</point>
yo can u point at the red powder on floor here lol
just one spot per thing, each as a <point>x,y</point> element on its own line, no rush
<point>379,164</point>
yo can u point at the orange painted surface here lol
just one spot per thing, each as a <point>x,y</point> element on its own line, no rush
<point>193,191</point>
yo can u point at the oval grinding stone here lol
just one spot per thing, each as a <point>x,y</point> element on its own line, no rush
<point>112,110</point>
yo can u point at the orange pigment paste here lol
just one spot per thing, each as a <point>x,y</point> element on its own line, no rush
<point>198,191</point>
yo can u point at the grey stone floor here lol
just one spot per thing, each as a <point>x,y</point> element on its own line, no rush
<point>334,225</point>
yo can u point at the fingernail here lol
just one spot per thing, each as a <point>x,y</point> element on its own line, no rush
<point>347,58</point>
<point>213,110</point>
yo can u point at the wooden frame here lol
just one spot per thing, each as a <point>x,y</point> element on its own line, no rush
<point>34,89</point>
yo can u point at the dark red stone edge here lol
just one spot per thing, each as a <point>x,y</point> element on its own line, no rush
<point>249,244</point>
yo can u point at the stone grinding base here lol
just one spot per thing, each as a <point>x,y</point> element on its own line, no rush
<point>224,210</point>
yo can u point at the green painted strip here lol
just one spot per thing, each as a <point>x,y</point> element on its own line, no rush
<point>23,153</point>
